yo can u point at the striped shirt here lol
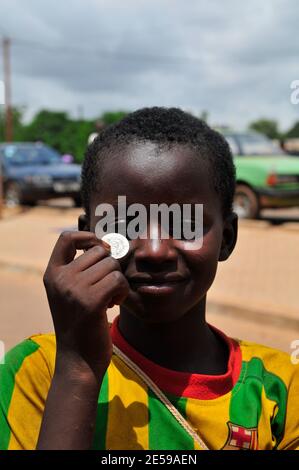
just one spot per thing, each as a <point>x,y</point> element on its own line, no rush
<point>254,405</point>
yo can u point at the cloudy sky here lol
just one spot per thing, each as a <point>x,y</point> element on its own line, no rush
<point>234,59</point>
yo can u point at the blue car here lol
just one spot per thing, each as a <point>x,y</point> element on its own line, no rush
<point>34,171</point>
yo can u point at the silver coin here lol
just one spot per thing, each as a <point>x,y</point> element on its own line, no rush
<point>119,244</point>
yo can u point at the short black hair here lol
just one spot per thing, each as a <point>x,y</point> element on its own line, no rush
<point>166,127</point>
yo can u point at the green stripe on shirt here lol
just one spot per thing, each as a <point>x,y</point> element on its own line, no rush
<point>99,441</point>
<point>246,400</point>
<point>13,363</point>
<point>276,390</point>
<point>245,406</point>
<point>165,433</point>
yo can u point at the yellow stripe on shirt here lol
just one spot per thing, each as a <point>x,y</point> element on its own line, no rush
<point>127,426</point>
<point>32,383</point>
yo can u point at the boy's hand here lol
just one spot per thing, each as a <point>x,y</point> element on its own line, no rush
<point>79,292</point>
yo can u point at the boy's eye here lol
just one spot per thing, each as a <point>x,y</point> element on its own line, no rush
<point>121,226</point>
<point>182,229</point>
<point>116,225</point>
<point>188,227</point>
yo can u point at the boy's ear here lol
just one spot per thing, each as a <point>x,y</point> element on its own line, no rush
<point>230,235</point>
<point>83,225</point>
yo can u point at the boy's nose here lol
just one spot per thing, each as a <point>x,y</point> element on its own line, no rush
<point>156,248</point>
<point>155,251</point>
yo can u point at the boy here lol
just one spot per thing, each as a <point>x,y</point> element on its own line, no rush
<point>72,390</point>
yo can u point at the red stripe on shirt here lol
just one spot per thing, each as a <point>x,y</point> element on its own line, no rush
<point>185,384</point>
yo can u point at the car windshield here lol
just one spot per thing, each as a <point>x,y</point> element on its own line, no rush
<point>30,155</point>
<point>255,144</point>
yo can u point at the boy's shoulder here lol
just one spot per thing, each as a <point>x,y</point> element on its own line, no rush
<point>47,340</point>
<point>260,359</point>
<point>44,342</point>
<point>40,344</point>
<point>38,351</point>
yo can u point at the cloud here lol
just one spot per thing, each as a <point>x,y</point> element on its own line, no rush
<point>234,59</point>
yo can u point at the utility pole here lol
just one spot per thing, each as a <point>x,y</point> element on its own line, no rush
<point>1,190</point>
<point>7,90</point>
<point>7,107</point>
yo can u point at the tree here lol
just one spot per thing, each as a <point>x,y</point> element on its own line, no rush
<point>74,138</point>
<point>110,117</point>
<point>57,130</point>
<point>268,127</point>
<point>47,127</point>
<point>293,132</point>
<point>18,128</point>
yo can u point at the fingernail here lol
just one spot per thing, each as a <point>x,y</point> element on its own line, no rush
<point>106,245</point>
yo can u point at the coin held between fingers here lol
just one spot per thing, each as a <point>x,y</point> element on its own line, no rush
<point>118,243</point>
<point>105,245</point>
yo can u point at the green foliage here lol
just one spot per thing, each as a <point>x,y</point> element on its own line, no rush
<point>293,132</point>
<point>69,136</point>
<point>268,127</point>
<point>57,129</point>
<point>18,128</point>
<point>110,117</point>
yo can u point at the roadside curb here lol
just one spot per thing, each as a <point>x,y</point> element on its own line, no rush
<point>254,315</point>
<point>15,267</point>
<point>223,308</point>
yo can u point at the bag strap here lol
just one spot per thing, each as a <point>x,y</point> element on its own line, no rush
<point>158,392</point>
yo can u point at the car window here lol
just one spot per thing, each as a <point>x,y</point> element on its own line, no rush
<point>30,155</point>
<point>255,144</point>
<point>233,144</point>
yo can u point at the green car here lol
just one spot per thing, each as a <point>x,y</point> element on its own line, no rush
<point>266,176</point>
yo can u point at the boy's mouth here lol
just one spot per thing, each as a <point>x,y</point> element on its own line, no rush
<point>156,285</point>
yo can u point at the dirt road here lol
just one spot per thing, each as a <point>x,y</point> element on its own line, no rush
<point>255,295</point>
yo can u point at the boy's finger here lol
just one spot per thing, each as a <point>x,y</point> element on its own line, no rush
<point>99,270</point>
<point>113,288</point>
<point>92,256</point>
<point>68,243</point>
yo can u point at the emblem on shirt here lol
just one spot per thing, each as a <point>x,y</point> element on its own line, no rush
<point>241,438</point>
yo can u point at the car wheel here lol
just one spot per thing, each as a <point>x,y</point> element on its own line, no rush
<point>246,203</point>
<point>30,203</point>
<point>13,195</point>
<point>77,201</point>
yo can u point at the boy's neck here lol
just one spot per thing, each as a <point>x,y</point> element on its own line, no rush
<point>188,345</point>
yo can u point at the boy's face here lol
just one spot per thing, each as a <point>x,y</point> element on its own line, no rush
<point>166,280</point>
